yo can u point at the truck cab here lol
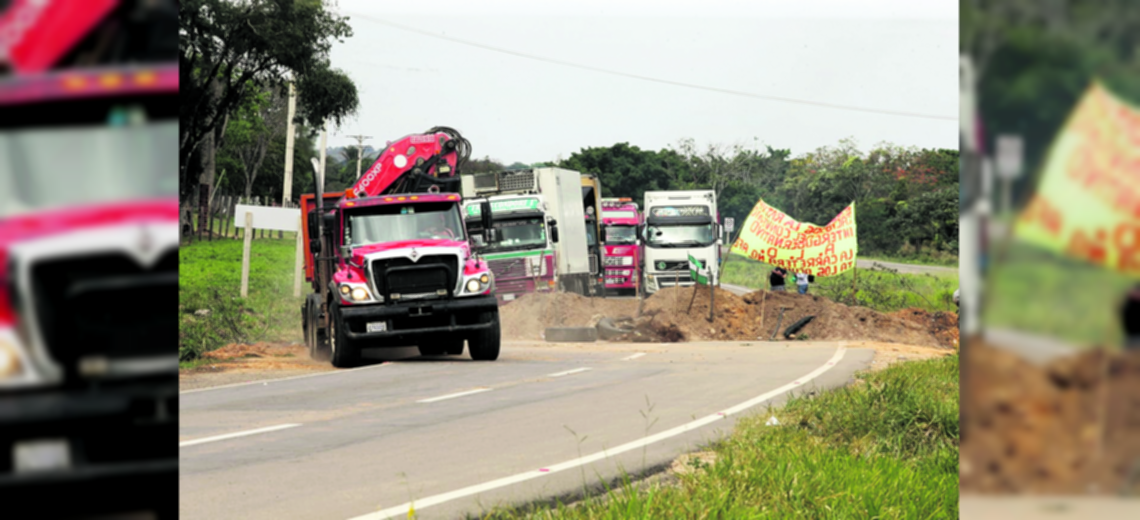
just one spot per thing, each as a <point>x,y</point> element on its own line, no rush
<point>88,271</point>
<point>679,224</point>
<point>621,221</point>
<point>522,256</point>
<point>392,263</point>
<point>592,204</point>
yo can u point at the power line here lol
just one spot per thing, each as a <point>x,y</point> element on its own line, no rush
<point>657,80</point>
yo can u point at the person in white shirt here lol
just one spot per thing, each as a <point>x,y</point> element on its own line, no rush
<point>802,282</point>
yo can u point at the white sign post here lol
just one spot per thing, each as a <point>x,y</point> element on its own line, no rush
<point>1010,150</point>
<point>272,219</point>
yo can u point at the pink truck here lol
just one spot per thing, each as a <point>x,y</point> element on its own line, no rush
<point>391,263</point>
<point>621,219</point>
<point>88,284</point>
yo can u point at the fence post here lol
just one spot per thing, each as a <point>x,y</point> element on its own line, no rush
<point>245,255</point>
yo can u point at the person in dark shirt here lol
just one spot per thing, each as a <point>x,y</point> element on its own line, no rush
<point>1130,318</point>
<point>776,279</point>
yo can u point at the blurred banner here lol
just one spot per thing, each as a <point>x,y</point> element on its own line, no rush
<point>771,236</point>
<point>1087,204</point>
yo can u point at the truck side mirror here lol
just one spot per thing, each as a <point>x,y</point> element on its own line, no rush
<point>330,221</point>
<point>315,246</point>
<point>554,234</point>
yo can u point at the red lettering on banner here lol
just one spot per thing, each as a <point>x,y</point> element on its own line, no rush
<point>1093,250</point>
<point>1127,241</point>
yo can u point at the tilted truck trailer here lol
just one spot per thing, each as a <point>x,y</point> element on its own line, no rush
<point>89,243</point>
<point>592,203</point>
<point>559,192</point>
<point>522,257</point>
<point>679,224</point>
<point>621,220</point>
<point>391,263</point>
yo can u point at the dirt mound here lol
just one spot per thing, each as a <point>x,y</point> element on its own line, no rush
<point>1072,426</point>
<point>681,314</point>
<point>259,350</point>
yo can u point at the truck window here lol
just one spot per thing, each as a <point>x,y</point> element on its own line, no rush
<point>63,153</point>
<point>591,234</point>
<point>680,236</point>
<point>517,234</point>
<point>621,235</point>
<point>397,222</point>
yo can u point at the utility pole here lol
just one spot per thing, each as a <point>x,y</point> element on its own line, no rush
<point>288,192</point>
<point>359,151</point>
<point>324,150</point>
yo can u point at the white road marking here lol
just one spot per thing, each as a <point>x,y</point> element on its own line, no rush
<point>342,371</point>
<point>237,434</point>
<point>452,396</point>
<point>635,356</point>
<point>403,510</point>
<point>568,372</point>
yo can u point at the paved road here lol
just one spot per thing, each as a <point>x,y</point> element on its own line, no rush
<point>457,436</point>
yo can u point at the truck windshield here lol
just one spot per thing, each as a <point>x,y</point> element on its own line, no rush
<point>397,222</point>
<point>89,151</point>
<point>621,235</point>
<point>680,236</point>
<point>518,234</point>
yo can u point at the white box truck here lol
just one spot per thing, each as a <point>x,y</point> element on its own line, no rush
<point>679,224</point>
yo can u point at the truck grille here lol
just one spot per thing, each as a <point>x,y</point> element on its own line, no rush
<point>105,305</point>
<point>516,181</point>
<point>671,265</point>
<point>427,277</point>
<point>509,268</point>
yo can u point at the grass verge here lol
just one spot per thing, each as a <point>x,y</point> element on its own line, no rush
<point>212,311</point>
<point>884,290</point>
<point>885,448</point>
<point>1035,291</point>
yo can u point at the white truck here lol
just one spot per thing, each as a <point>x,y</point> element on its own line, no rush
<point>679,224</point>
<point>533,210</point>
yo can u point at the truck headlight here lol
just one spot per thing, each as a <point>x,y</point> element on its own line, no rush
<point>359,294</point>
<point>10,362</point>
<point>484,279</point>
<point>474,285</point>
<point>345,290</point>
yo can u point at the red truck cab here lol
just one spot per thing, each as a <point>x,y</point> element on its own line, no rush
<point>621,219</point>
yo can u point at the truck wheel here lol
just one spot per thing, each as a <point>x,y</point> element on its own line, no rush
<point>484,345</point>
<point>344,353</point>
<point>318,345</point>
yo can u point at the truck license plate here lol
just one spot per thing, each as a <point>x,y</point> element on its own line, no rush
<point>41,455</point>
<point>378,326</point>
<point>508,297</point>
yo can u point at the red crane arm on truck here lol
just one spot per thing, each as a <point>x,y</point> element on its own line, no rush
<point>416,164</point>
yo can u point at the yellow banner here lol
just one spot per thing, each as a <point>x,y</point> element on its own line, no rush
<point>1087,204</point>
<point>770,236</point>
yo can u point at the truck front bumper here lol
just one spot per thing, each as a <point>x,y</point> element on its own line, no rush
<point>460,315</point>
<point>123,451</point>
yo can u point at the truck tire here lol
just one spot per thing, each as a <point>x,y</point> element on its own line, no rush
<point>344,353</point>
<point>485,344</point>
<point>318,348</point>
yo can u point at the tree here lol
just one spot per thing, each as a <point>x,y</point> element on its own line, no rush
<point>230,50</point>
<point>256,125</point>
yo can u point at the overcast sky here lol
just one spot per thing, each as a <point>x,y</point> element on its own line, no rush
<point>898,56</point>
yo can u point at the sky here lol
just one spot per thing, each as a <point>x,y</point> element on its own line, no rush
<point>538,81</point>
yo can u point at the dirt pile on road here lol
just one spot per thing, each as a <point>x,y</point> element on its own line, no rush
<point>681,314</point>
<point>1039,429</point>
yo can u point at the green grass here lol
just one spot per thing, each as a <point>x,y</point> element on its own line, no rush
<point>885,449</point>
<point>210,279</point>
<point>879,289</point>
<point>1036,291</point>
<point>944,262</point>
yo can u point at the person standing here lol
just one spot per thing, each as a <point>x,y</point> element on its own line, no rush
<point>802,282</point>
<point>1130,318</point>
<point>776,279</point>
